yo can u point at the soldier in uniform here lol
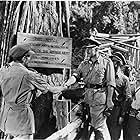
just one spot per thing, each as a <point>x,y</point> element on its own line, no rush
<point>121,99</point>
<point>133,125</point>
<point>18,85</point>
<point>98,75</point>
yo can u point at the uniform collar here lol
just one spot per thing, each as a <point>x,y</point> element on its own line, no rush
<point>97,60</point>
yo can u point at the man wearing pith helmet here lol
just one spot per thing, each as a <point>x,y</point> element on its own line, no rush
<point>18,84</point>
<point>99,78</point>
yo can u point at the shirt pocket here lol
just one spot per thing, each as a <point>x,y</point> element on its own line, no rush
<point>100,71</point>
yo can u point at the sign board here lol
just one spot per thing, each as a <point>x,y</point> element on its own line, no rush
<point>50,51</point>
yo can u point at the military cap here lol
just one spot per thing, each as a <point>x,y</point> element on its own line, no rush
<point>119,57</point>
<point>18,51</point>
<point>92,41</point>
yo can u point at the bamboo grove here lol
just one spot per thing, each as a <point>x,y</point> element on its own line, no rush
<point>67,19</point>
<point>37,17</point>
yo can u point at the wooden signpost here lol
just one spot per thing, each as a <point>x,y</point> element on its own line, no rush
<point>51,51</point>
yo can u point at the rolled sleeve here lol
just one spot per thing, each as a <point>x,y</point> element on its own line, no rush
<point>110,74</point>
<point>77,73</point>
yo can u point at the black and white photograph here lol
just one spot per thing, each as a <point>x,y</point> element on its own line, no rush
<point>69,70</point>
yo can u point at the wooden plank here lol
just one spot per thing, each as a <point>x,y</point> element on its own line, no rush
<point>51,51</point>
<point>122,42</point>
<point>67,130</point>
<point>112,46</point>
<point>138,53</point>
<point>61,108</point>
<point>119,48</point>
<point>124,35</point>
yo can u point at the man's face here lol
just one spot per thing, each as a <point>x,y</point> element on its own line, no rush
<point>116,63</point>
<point>94,51</point>
<point>91,52</point>
<point>27,58</point>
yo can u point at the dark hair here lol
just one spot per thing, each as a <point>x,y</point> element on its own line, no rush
<point>10,59</point>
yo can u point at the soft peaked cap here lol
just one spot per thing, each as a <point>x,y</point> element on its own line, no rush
<point>18,51</point>
<point>119,57</point>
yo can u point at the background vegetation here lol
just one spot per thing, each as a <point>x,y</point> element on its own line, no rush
<point>73,19</point>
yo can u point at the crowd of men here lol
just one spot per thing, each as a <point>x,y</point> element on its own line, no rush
<point>107,91</point>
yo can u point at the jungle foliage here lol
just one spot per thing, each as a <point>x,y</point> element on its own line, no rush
<point>109,17</point>
<point>75,19</point>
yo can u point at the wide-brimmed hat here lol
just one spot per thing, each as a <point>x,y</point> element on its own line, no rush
<point>19,51</point>
<point>93,43</point>
<point>119,57</point>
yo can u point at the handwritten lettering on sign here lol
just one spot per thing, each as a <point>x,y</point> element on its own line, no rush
<point>50,51</point>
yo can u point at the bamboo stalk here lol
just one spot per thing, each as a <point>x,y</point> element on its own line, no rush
<point>10,29</point>
<point>60,19</point>
<point>28,18</point>
<point>138,54</point>
<point>40,23</point>
<point>121,42</point>
<point>6,35</point>
<point>123,35</point>
<point>56,33</point>
<point>34,12</point>
<point>31,17</point>
<point>136,59</point>
<point>130,51</point>
<point>66,14</point>
<point>54,19</point>
<point>17,9</point>
<point>119,48</point>
<point>16,19</point>
<point>2,30</point>
<point>23,19</point>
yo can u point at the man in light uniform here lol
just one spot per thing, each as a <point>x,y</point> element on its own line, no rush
<point>99,78</point>
<point>18,85</point>
<point>133,124</point>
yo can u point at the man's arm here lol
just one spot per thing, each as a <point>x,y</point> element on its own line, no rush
<point>110,91</point>
<point>110,76</point>
<point>70,81</point>
<point>127,88</point>
<point>41,84</point>
<point>75,76</point>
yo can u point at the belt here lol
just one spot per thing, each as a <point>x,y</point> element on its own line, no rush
<point>95,86</point>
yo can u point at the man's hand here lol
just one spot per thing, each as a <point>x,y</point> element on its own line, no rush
<point>110,104</point>
<point>121,120</point>
<point>57,89</point>
<point>109,108</point>
<point>138,116</point>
